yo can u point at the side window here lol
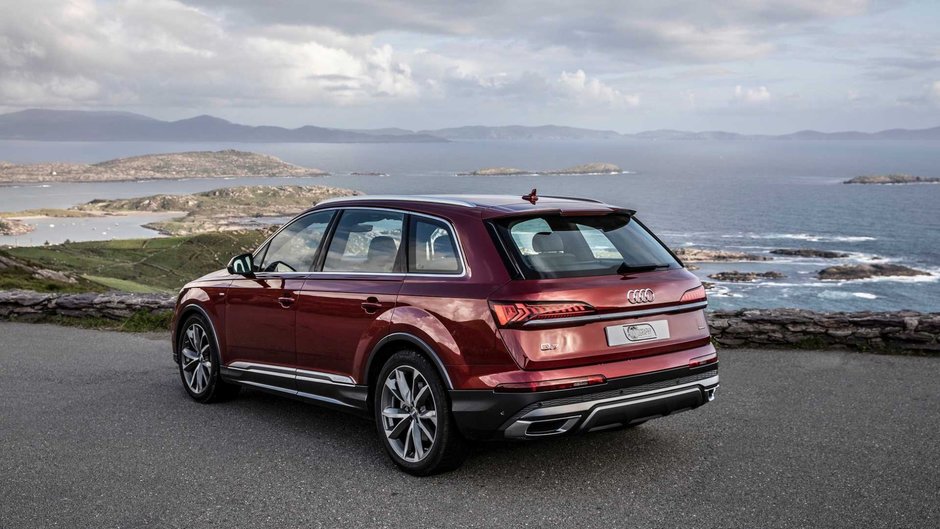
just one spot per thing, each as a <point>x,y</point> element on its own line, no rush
<point>295,247</point>
<point>365,241</point>
<point>433,248</point>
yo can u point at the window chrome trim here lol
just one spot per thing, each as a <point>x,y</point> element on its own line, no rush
<point>460,253</point>
<point>590,318</point>
<point>287,372</point>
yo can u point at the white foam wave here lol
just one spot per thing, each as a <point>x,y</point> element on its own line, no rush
<point>841,294</point>
<point>811,237</point>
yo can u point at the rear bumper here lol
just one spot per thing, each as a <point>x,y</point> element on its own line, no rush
<point>487,414</point>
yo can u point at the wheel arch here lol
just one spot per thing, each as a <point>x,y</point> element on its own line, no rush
<point>394,342</point>
<point>184,314</point>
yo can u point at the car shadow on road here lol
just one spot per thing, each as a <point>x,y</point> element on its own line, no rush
<point>350,439</point>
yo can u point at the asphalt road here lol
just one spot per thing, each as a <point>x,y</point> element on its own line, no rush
<point>96,431</point>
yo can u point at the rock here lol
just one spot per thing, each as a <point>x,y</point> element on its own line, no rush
<point>807,252</point>
<point>15,227</point>
<point>705,255</point>
<point>588,168</point>
<point>864,271</point>
<point>735,276</point>
<point>892,179</point>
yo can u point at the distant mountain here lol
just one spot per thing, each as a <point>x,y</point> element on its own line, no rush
<point>518,132</point>
<point>76,125</point>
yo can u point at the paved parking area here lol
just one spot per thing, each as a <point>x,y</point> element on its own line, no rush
<point>96,431</point>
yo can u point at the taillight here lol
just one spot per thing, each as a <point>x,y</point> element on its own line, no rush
<point>509,314</point>
<point>551,385</point>
<point>693,294</point>
<point>703,360</point>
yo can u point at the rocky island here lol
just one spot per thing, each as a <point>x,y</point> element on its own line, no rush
<point>808,252</point>
<point>220,209</point>
<point>745,277</point>
<point>865,271</point>
<point>706,255</point>
<point>14,227</point>
<point>588,168</point>
<point>197,164</point>
<point>892,179</point>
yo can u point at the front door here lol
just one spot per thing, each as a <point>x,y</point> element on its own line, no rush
<point>261,311</point>
<point>343,307</point>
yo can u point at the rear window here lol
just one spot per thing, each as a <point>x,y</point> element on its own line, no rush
<point>552,246</point>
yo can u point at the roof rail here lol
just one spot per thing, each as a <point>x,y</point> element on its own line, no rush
<point>579,199</point>
<point>403,198</point>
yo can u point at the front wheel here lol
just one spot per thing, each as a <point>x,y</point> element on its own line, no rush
<point>413,419</point>
<point>199,363</point>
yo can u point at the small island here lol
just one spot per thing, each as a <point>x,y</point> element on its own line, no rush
<point>865,271</point>
<point>583,169</point>
<point>704,255</point>
<point>808,252</point>
<point>745,277</point>
<point>14,227</point>
<point>892,179</point>
<point>196,164</point>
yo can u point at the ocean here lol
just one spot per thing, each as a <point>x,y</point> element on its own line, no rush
<point>751,196</point>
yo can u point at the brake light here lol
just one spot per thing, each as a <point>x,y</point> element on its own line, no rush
<point>508,313</point>
<point>552,385</point>
<point>699,361</point>
<point>693,294</point>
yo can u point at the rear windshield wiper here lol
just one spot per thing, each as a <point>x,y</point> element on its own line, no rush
<point>624,268</point>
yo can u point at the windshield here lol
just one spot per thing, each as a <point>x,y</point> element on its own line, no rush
<point>550,246</point>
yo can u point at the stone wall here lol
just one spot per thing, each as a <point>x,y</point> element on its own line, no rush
<point>26,305</point>
<point>902,332</point>
<point>906,332</point>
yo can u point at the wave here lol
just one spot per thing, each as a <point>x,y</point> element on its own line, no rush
<point>810,237</point>
<point>840,294</point>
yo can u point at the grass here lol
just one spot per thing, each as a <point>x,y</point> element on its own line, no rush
<point>13,278</point>
<point>139,265</point>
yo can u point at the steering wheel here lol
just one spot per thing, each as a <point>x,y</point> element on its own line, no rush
<point>273,266</point>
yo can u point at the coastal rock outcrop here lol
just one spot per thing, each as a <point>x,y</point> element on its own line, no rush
<point>14,227</point>
<point>708,255</point>
<point>892,179</point>
<point>865,271</point>
<point>588,168</point>
<point>809,252</point>
<point>745,277</point>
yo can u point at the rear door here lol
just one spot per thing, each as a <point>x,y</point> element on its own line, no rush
<point>261,311</point>
<point>345,306</point>
<point>596,288</point>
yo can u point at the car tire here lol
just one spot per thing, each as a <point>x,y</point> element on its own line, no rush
<point>413,418</point>
<point>198,363</point>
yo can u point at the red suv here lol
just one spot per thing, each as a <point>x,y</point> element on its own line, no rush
<point>448,318</point>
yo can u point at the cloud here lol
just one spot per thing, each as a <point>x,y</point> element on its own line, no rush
<point>753,96</point>
<point>591,90</point>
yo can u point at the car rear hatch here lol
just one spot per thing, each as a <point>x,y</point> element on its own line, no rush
<point>591,288</point>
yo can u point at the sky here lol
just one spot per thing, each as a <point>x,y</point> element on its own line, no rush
<point>751,66</point>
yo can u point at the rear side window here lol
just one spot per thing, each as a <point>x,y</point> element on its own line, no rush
<point>433,248</point>
<point>365,241</point>
<point>552,246</point>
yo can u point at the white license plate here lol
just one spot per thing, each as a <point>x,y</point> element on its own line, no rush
<point>647,331</point>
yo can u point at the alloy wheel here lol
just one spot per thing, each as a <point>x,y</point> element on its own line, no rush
<point>196,358</point>
<point>409,413</point>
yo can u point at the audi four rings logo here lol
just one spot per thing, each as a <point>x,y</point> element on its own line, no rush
<point>640,295</point>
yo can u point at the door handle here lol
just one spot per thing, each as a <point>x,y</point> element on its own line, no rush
<point>371,305</point>
<point>285,301</point>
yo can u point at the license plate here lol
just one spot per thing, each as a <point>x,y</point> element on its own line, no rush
<point>647,331</point>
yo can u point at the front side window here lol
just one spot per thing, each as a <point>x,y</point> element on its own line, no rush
<point>433,248</point>
<point>365,241</point>
<point>550,246</point>
<point>294,248</point>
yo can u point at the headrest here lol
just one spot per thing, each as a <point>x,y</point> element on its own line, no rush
<point>547,242</point>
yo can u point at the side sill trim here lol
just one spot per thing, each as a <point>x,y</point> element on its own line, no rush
<point>309,396</point>
<point>286,372</point>
<point>618,315</point>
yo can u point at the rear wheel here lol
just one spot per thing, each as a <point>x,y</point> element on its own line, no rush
<point>413,419</point>
<point>199,363</point>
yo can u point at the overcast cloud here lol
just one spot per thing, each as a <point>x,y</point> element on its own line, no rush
<point>743,65</point>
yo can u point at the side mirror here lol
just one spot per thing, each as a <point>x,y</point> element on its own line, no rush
<point>243,265</point>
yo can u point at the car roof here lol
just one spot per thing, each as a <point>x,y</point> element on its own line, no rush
<point>488,205</point>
